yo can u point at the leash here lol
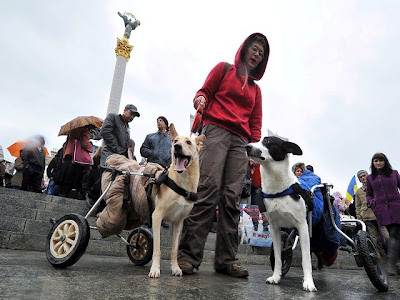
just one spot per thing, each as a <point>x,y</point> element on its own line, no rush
<point>176,188</point>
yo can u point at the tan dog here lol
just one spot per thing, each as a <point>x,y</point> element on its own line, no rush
<point>169,205</point>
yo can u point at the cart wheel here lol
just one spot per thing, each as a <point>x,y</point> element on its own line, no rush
<point>372,261</point>
<point>67,240</point>
<point>142,250</point>
<point>286,256</point>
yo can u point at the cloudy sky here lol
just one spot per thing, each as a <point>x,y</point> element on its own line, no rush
<point>330,86</point>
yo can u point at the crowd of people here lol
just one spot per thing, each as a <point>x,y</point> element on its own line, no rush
<point>232,117</point>
<point>74,171</point>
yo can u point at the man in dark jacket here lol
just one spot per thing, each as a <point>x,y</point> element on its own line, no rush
<point>53,169</point>
<point>115,132</point>
<point>157,146</point>
<point>33,157</point>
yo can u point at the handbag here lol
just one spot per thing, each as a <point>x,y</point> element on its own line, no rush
<point>81,156</point>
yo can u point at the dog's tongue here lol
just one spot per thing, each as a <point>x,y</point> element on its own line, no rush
<point>180,164</point>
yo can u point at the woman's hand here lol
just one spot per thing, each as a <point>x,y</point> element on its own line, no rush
<point>200,100</point>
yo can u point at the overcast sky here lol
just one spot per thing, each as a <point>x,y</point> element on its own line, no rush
<point>331,83</point>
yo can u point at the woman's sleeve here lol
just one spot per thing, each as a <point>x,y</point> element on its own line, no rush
<point>212,82</point>
<point>397,179</point>
<point>370,194</point>
<point>255,120</point>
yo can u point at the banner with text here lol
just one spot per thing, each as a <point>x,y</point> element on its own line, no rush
<point>253,227</point>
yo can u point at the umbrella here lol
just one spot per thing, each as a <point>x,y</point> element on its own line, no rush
<point>79,122</point>
<point>18,146</point>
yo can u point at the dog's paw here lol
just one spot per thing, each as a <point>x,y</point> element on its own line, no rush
<point>154,272</point>
<point>176,271</point>
<point>309,286</point>
<point>273,280</point>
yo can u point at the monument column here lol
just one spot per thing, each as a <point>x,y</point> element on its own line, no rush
<point>123,52</point>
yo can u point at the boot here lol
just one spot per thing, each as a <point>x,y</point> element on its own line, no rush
<point>392,256</point>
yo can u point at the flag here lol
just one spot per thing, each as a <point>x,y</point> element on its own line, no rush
<point>352,189</point>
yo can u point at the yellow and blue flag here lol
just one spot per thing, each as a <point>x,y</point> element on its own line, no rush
<point>352,189</point>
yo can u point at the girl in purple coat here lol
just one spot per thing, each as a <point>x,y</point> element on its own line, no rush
<point>384,198</point>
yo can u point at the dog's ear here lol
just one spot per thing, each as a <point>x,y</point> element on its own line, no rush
<point>200,141</point>
<point>172,131</point>
<point>292,148</point>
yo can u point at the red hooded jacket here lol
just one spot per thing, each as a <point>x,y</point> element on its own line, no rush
<point>231,106</point>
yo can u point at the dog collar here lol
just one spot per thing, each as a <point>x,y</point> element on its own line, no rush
<point>286,192</point>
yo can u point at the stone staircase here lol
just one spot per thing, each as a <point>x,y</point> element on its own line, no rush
<point>25,223</point>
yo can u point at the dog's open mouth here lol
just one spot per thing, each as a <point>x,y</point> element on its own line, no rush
<point>181,162</point>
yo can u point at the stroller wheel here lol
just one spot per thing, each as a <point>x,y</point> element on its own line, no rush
<point>372,261</point>
<point>67,240</point>
<point>140,251</point>
<point>286,255</point>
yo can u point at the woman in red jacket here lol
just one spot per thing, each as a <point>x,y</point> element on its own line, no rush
<point>232,118</point>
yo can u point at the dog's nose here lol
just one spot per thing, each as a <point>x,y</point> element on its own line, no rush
<point>177,146</point>
<point>248,147</point>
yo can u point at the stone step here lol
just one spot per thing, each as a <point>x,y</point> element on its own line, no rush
<point>6,192</point>
<point>31,213</point>
<point>57,205</point>
<point>21,240</point>
<point>24,224</point>
<point>32,197</point>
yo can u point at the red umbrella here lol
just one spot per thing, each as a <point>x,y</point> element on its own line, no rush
<point>15,148</point>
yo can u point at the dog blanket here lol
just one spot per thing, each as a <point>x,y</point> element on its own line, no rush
<point>113,219</point>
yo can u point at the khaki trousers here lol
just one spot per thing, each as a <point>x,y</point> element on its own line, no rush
<point>223,166</point>
<point>374,232</point>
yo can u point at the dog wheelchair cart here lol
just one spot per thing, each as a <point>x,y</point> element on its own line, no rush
<point>69,236</point>
<point>365,251</point>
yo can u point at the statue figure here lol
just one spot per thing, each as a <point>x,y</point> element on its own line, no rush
<point>129,24</point>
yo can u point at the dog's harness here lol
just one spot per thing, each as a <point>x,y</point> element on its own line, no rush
<point>176,188</point>
<point>162,179</point>
<point>295,191</point>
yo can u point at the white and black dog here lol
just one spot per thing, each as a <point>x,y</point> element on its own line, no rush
<point>282,210</point>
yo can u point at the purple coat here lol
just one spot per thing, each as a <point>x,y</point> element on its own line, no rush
<point>384,198</point>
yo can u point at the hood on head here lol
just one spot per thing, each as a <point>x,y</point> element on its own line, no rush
<point>258,72</point>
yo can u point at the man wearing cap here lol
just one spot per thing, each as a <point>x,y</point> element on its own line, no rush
<point>115,132</point>
<point>364,213</point>
<point>157,146</point>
